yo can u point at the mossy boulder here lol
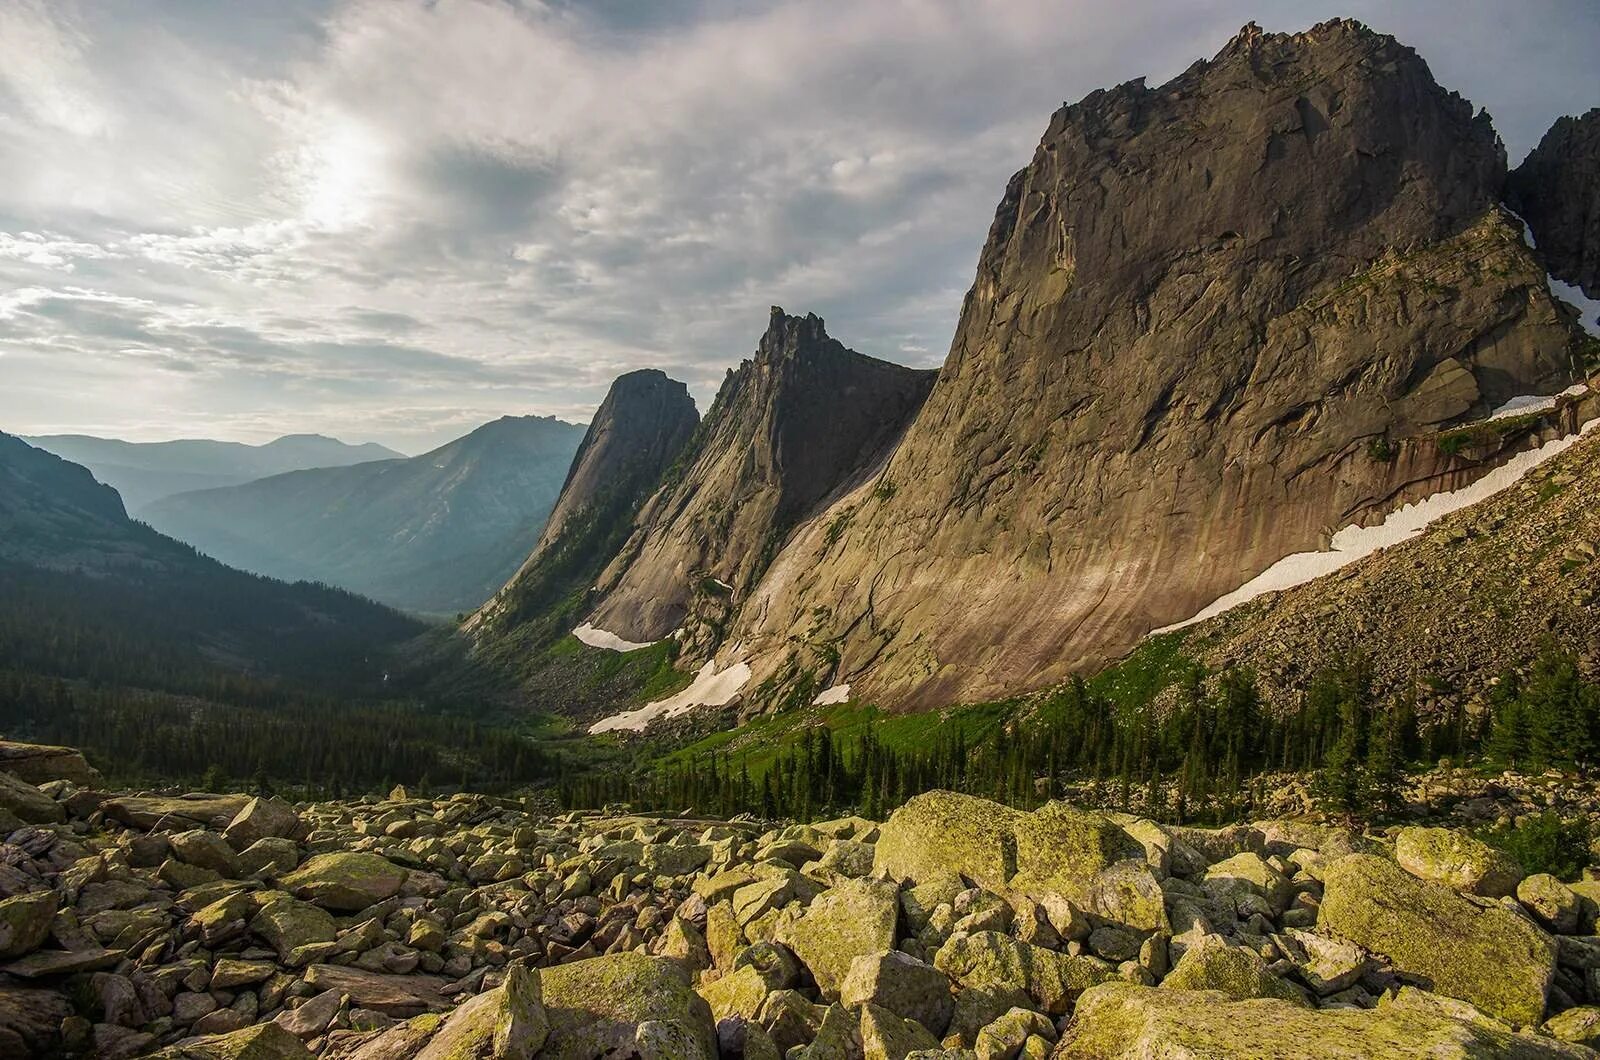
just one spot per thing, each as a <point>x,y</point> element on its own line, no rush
<point>1062,850</point>
<point>997,963</point>
<point>345,881</point>
<point>1122,1021</point>
<point>1241,974</point>
<point>852,919</point>
<point>25,922</point>
<point>1463,947</point>
<point>264,1041</point>
<point>599,1005</point>
<point>506,1023</point>
<point>887,1036</point>
<point>1247,873</point>
<point>27,803</point>
<point>1449,857</point>
<point>287,924</point>
<point>940,832</point>
<point>901,984</point>
<point>739,993</point>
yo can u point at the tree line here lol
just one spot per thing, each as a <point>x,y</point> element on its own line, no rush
<point>1200,753</point>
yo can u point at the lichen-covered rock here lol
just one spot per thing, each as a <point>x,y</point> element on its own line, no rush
<point>1580,1026</point>
<point>738,993</point>
<point>887,1036</point>
<point>208,850</point>
<point>998,963</point>
<point>506,1023</point>
<point>262,819</point>
<point>27,803</point>
<point>345,880</point>
<point>287,924</point>
<point>1062,849</point>
<point>25,922</point>
<point>942,832</point>
<point>901,984</point>
<point>1212,964</point>
<point>1127,893</point>
<point>157,812</point>
<point>1465,948</point>
<point>849,920</point>
<point>598,1004</point>
<point>1121,1021</point>
<point>1248,873</point>
<point>1553,903</point>
<point>40,763</point>
<point>1457,860</point>
<point>264,1041</point>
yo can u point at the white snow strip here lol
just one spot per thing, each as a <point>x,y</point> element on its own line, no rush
<point>829,696</point>
<point>1528,403</point>
<point>599,638</point>
<point>709,689</point>
<point>1354,542</point>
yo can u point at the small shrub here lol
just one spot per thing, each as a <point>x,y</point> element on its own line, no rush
<point>1379,450</point>
<point>1544,843</point>
<point>883,490</point>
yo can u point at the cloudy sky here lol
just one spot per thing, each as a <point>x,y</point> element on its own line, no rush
<point>393,220</point>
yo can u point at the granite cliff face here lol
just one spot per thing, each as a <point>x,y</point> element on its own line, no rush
<point>1213,322</point>
<point>791,428</point>
<point>638,432</point>
<point>1557,191</point>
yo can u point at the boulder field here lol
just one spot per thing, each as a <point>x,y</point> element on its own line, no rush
<point>229,927</point>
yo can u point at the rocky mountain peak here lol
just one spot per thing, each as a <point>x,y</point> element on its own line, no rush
<point>792,335</point>
<point>1557,191</point>
<point>790,428</point>
<point>1220,296</point>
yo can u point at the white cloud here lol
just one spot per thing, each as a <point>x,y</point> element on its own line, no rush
<point>406,217</point>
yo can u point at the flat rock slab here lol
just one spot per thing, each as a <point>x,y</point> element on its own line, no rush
<point>175,814</point>
<point>44,963</point>
<point>393,995</point>
<point>39,763</point>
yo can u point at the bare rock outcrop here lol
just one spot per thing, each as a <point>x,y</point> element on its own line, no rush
<point>1207,316</point>
<point>636,435</point>
<point>1557,191</point>
<point>803,420</point>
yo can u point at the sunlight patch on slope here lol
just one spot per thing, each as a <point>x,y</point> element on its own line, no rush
<point>596,637</point>
<point>1355,542</point>
<point>709,689</point>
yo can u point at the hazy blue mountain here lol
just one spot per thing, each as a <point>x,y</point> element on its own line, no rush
<point>144,472</point>
<point>437,533</point>
<point>86,591</point>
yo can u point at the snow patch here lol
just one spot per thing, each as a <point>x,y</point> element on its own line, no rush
<point>599,638</point>
<point>829,696</point>
<point>1355,542</point>
<point>709,689</point>
<point>1528,403</point>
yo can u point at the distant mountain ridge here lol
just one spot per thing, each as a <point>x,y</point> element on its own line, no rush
<point>144,472</point>
<point>433,533</point>
<point>86,591</point>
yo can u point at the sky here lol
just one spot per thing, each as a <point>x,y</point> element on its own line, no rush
<point>393,220</point>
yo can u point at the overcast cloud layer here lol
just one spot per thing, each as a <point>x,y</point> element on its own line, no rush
<point>394,220</point>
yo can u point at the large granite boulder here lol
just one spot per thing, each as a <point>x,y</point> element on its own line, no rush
<point>1460,946</point>
<point>38,763</point>
<point>600,1005</point>
<point>1122,1021</point>
<point>854,918</point>
<point>346,880</point>
<point>940,832</point>
<point>1457,860</point>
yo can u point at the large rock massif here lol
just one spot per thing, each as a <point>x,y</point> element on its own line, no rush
<point>1214,322</point>
<point>1208,316</point>
<point>1557,191</point>
<point>232,927</point>
<point>636,436</point>
<point>802,421</point>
